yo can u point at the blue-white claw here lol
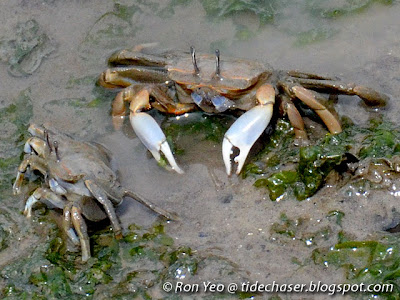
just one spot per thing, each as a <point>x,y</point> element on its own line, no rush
<point>151,135</point>
<point>28,205</point>
<point>243,134</point>
<point>35,145</point>
<point>248,128</point>
<point>56,187</point>
<point>73,236</point>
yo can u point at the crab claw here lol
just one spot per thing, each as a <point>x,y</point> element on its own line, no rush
<point>36,145</point>
<point>151,135</point>
<point>248,128</point>
<point>28,205</point>
<point>18,182</point>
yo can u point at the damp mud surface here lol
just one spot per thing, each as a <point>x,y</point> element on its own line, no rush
<point>52,53</point>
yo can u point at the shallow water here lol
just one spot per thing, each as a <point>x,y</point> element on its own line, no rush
<point>221,214</point>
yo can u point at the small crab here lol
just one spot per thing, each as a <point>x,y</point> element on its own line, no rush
<point>79,180</point>
<point>179,83</point>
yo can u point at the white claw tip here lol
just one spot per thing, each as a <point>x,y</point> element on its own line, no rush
<point>170,157</point>
<point>226,154</point>
<point>28,213</point>
<point>178,170</point>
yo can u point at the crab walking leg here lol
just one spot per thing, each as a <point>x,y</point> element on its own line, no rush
<point>101,196</point>
<point>148,131</point>
<point>307,97</point>
<point>148,204</point>
<point>368,95</point>
<point>295,119</point>
<point>68,226</point>
<point>36,130</point>
<point>81,230</point>
<point>248,128</point>
<point>29,204</point>
<point>41,194</point>
<point>35,163</point>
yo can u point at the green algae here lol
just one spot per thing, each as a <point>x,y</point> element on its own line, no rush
<point>148,257</point>
<point>14,120</point>
<point>209,127</point>
<point>305,171</point>
<point>367,261</point>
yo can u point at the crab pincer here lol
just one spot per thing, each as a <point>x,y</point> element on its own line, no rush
<point>248,128</point>
<point>149,132</point>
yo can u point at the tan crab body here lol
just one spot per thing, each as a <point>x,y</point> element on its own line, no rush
<point>79,180</point>
<point>177,83</point>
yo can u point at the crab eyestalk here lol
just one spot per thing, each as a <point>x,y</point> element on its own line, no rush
<point>55,144</point>
<point>196,68</point>
<point>46,137</point>
<point>217,64</point>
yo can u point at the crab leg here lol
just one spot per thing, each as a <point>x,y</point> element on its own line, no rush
<point>35,130</point>
<point>148,131</point>
<point>41,194</point>
<point>368,95</point>
<point>306,75</point>
<point>29,204</point>
<point>68,226</point>
<point>101,196</point>
<point>35,163</point>
<point>81,230</point>
<point>295,119</point>
<point>148,204</point>
<point>309,98</point>
<point>248,128</point>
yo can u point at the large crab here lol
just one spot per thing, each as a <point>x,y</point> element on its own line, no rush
<point>79,180</point>
<point>178,83</point>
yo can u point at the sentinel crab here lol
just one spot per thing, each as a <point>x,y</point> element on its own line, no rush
<point>178,83</point>
<point>79,180</point>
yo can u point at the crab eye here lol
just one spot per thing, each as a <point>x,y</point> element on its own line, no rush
<point>221,103</point>
<point>197,98</point>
